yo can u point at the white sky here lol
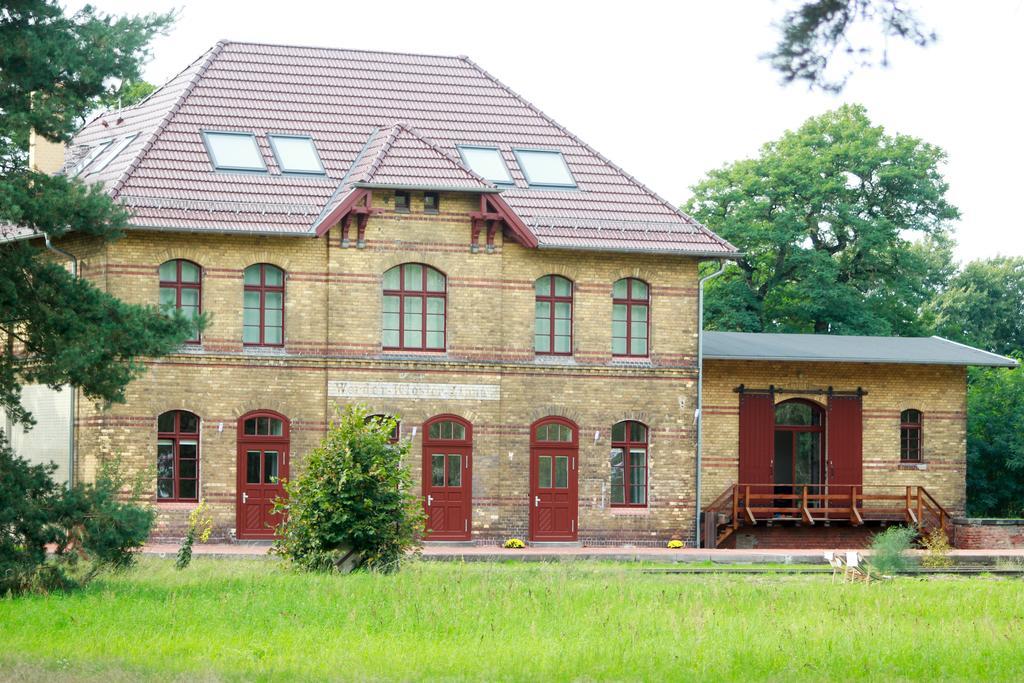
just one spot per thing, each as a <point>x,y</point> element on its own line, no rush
<point>670,90</point>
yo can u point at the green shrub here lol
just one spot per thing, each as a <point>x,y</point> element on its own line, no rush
<point>937,548</point>
<point>353,503</point>
<point>200,525</point>
<point>99,524</point>
<point>89,525</point>
<point>889,549</point>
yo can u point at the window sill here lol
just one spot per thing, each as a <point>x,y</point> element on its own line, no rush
<point>415,353</point>
<point>630,512</point>
<point>176,504</point>
<point>913,466</point>
<point>632,362</point>
<point>255,350</point>
<point>553,359</point>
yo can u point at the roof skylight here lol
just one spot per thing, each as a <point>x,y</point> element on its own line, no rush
<point>234,151</point>
<point>544,167</point>
<point>296,154</point>
<point>90,157</point>
<point>111,152</point>
<point>486,162</point>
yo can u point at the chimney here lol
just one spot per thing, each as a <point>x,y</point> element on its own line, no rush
<point>44,156</point>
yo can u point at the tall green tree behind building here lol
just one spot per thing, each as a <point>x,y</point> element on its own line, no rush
<point>56,329</point>
<point>844,230</point>
<point>984,305</point>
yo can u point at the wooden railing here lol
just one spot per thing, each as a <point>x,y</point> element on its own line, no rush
<point>810,504</point>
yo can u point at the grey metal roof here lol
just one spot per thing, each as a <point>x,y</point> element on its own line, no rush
<point>850,349</point>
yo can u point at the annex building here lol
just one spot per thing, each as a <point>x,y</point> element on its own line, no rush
<point>406,232</point>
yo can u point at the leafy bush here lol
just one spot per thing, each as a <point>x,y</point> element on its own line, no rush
<point>889,549</point>
<point>89,526</point>
<point>353,501</point>
<point>937,547</point>
<point>200,525</point>
<point>513,543</point>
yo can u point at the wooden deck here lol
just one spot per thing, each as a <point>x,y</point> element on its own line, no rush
<point>810,504</point>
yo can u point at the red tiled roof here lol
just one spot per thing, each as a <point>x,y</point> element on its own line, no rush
<point>401,157</point>
<point>376,119</point>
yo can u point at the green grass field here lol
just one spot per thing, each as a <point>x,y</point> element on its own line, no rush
<point>245,620</point>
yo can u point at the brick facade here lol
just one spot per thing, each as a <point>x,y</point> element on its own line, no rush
<point>939,392</point>
<point>985,534</point>
<point>333,337</point>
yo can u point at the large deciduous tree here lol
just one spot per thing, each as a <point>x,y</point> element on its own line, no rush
<point>984,305</point>
<point>843,227</point>
<point>822,41</point>
<point>56,329</point>
<point>995,442</point>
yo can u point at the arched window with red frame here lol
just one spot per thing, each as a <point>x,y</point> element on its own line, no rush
<point>629,464</point>
<point>631,320</point>
<point>911,436</point>
<point>177,456</point>
<point>181,288</point>
<point>414,308</point>
<point>263,306</point>
<point>553,316</point>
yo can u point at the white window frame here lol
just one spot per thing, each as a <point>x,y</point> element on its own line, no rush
<point>112,152</point>
<point>273,137</point>
<point>501,157</point>
<point>537,150</point>
<point>213,157</point>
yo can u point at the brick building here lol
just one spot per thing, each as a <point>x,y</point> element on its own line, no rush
<point>406,232</point>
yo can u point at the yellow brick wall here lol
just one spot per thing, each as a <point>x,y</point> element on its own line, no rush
<point>333,333</point>
<point>939,392</point>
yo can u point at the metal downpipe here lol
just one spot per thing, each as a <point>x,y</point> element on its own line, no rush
<point>699,411</point>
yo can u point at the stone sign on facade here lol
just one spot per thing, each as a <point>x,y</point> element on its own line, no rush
<point>414,390</point>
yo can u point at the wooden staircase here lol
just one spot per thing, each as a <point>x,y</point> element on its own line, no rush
<point>811,504</point>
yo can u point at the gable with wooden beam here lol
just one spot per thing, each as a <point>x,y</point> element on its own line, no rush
<point>494,213</point>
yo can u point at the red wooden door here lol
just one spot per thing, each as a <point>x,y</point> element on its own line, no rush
<point>845,440</point>
<point>554,489</point>
<point>263,462</point>
<point>448,477</point>
<point>757,439</point>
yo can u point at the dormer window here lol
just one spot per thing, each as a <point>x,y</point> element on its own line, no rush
<point>234,151</point>
<point>544,167</point>
<point>296,154</point>
<point>486,162</point>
